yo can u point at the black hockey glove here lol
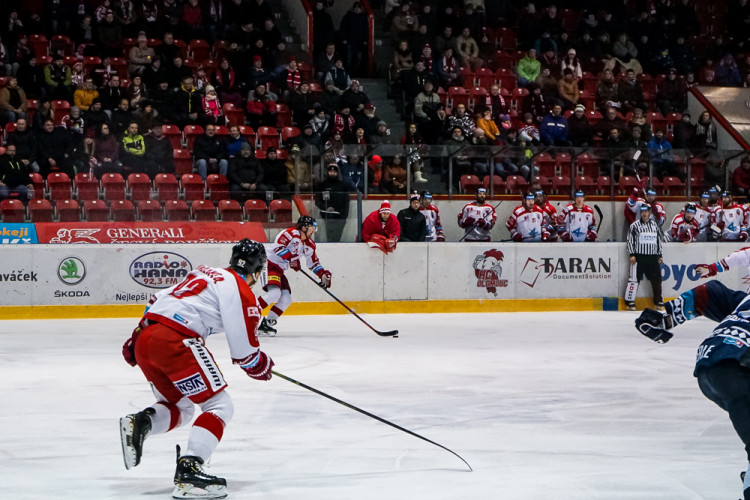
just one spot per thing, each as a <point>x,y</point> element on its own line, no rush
<point>653,325</point>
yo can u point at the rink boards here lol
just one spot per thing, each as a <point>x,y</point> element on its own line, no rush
<point>44,281</point>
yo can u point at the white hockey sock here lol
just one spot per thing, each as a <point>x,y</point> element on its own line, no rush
<point>161,419</point>
<point>201,443</point>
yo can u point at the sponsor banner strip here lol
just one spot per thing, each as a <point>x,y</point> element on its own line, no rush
<point>146,232</point>
<point>17,234</point>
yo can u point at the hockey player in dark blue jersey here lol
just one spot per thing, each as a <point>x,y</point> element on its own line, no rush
<point>722,365</point>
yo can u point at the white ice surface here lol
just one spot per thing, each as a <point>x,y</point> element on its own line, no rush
<point>542,405</point>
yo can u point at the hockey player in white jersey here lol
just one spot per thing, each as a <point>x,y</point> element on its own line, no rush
<point>432,216</point>
<point>730,219</point>
<point>169,347</point>
<point>290,247</point>
<point>704,217</point>
<point>578,220</point>
<point>478,218</point>
<point>684,226</point>
<point>528,222</point>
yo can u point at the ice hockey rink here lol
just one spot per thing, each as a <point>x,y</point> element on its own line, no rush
<point>574,405</point>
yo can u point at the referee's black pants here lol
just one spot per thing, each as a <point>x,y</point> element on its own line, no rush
<point>648,266</point>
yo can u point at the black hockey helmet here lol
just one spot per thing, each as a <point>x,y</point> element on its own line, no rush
<point>248,257</point>
<point>306,220</point>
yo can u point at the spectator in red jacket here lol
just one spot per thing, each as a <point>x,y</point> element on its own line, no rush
<point>381,229</point>
<point>741,178</point>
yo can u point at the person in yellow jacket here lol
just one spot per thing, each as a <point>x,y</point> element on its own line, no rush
<point>489,126</point>
<point>84,97</point>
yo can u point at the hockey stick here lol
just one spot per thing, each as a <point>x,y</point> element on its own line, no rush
<point>363,412</point>
<point>601,217</point>
<point>483,218</point>
<point>391,333</point>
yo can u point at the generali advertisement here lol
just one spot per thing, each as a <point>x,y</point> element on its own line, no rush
<point>147,232</point>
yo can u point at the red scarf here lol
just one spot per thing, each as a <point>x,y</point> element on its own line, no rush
<point>293,79</point>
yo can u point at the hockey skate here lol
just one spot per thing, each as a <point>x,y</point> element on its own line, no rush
<point>630,306</point>
<point>133,431</point>
<point>654,325</point>
<point>190,481</point>
<point>267,327</point>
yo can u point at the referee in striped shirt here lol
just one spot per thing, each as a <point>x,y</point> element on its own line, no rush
<point>644,247</point>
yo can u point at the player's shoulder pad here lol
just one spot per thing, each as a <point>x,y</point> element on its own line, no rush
<point>588,209</point>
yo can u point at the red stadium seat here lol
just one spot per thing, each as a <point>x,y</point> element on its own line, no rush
<point>217,187</point>
<point>673,186</point>
<point>627,183</point>
<point>39,187</point>
<point>268,137</point>
<point>96,211</point>
<point>586,184</point>
<point>166,186</point>
<point>68,211</point>
<point>603,184</point>
<point>120,65</point>
<point>39,44</point>
<point>183,162</point>
<point>149,211</point>
<point>13,211</point>
<point>507,39</point>
<point>469,184</point>
<point>561,184</point>
<point>139,186</point>
<point>199,49</point>
<point>587,164</point>
<point>41,210</point>
<point>235,115</point>
<point>89,63</point>
<point>283,116</point>
<point>177,210</point>
<point>498,184</point>
<point>458,95</point>
<point>477,98</point>
<point>203,210</point>
<point>546,164</point>
<point>230,211</point>
<point>288,133</point>
<point>113,187</point>
<point>191,132</point>
<point>193,187</point>
<point>123,211</point>
<point>507,78</point>
<point>256,211</point>
<point>516,184</point>
<point>484,78</point>
<point>281,210</point>
<point>174,134</point>
<point>59,185</point>
<point>86,187</point>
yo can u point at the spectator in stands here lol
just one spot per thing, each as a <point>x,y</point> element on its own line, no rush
<point>167,51</point>
<point>159,151</point>
<point>261,107</point>
<point>355,99</point>
<point>528,68</point>
<point>662,157</point>
<point>192,20</point>
<point>568,89</point>
<point>186,104</point>
<point>121,118</point>
<point>317,129</point>
<point>586,50</point>
<point>235,141</point>
<point>535,103</point>
<point>200,79</point>
<point>302,103</point>
<point>140,56</point>
<point>344,124</point>
<point>73,123</point>
<point>178,72</point>
<point>445,39</point>
<point>549,59</point>
<point>57,76</point>
<point>606,90</point>
<point>412,221</point>
<point>684,133</point>
<point>353,173</point>
<point>740,178</point>
<point>323,33</point>
<point>496,103</point>
<point>133,152</point>
<point>210,153</point>
<point>549,85</point>
<point>84,96</point>
<point>572,63</point>
<point>707,72</point>
<point>54,149</point>
<point>404,22</point>
<point>127,15</point>
<point>326,58</point>
<point>31,78</point>
<point>146,115</point>
<point>554,128</point>
<point>705,132</point>
<point>257,73</point>
<point>615,146</point>
<point>403,60</point>
<point>638,120</point>
<point>412,82</point>
<point>26,144</point>
<point>136,92</point>
<point>461,118</point>
<point>13,101</point>
<point>332,200</point>
<point>447,69</point>
<point>609,121</point>
<point>672,94</point>
<point>227,83</point>
<point>683,55</point>
<point>106,153</point>
<point>112,94</point>
<point>623,48</point>
<point>488,126</point>
<point>638,152</point>
<point>468,50</point>
<point>339,76</point>
<point>289,79</point>
<point>42,114</point>
<point>353,33</point>
<point>110,34</point>
<point>246,175</point>
<point>529,132</point>
<point>382,134</point>
<point>426,103</point>
<point>394,178</point>
<point>727,74</point>
<point>82,154</point>
<point>428,60</point>
<point>580,133</point>
<point>212,109</point>
<point>630,93</point>
<point>275,172</point>
<point>14,176</point>
<point>298,171</point>
<point>77,75</point>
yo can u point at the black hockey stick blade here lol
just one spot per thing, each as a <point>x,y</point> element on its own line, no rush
<point>391,333</point>
<point>367,413</point>
<point>601,217</point>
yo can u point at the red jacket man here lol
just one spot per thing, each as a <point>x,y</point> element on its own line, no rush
<point>381,229</point>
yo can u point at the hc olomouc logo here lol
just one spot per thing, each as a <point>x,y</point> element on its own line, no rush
<point>488,271</point>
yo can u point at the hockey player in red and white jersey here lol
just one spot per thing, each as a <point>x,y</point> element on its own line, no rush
<point>704,217</point>
<point>553,218</point>
<point>289,248</point>
<point>730,219</point>
<point>169,347</point>
<point>432,216</point>
<point>685,226</point>
<point>578,220</point>
<point>477,218</point>
<point>634,202</point>
<point>527,222</point>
